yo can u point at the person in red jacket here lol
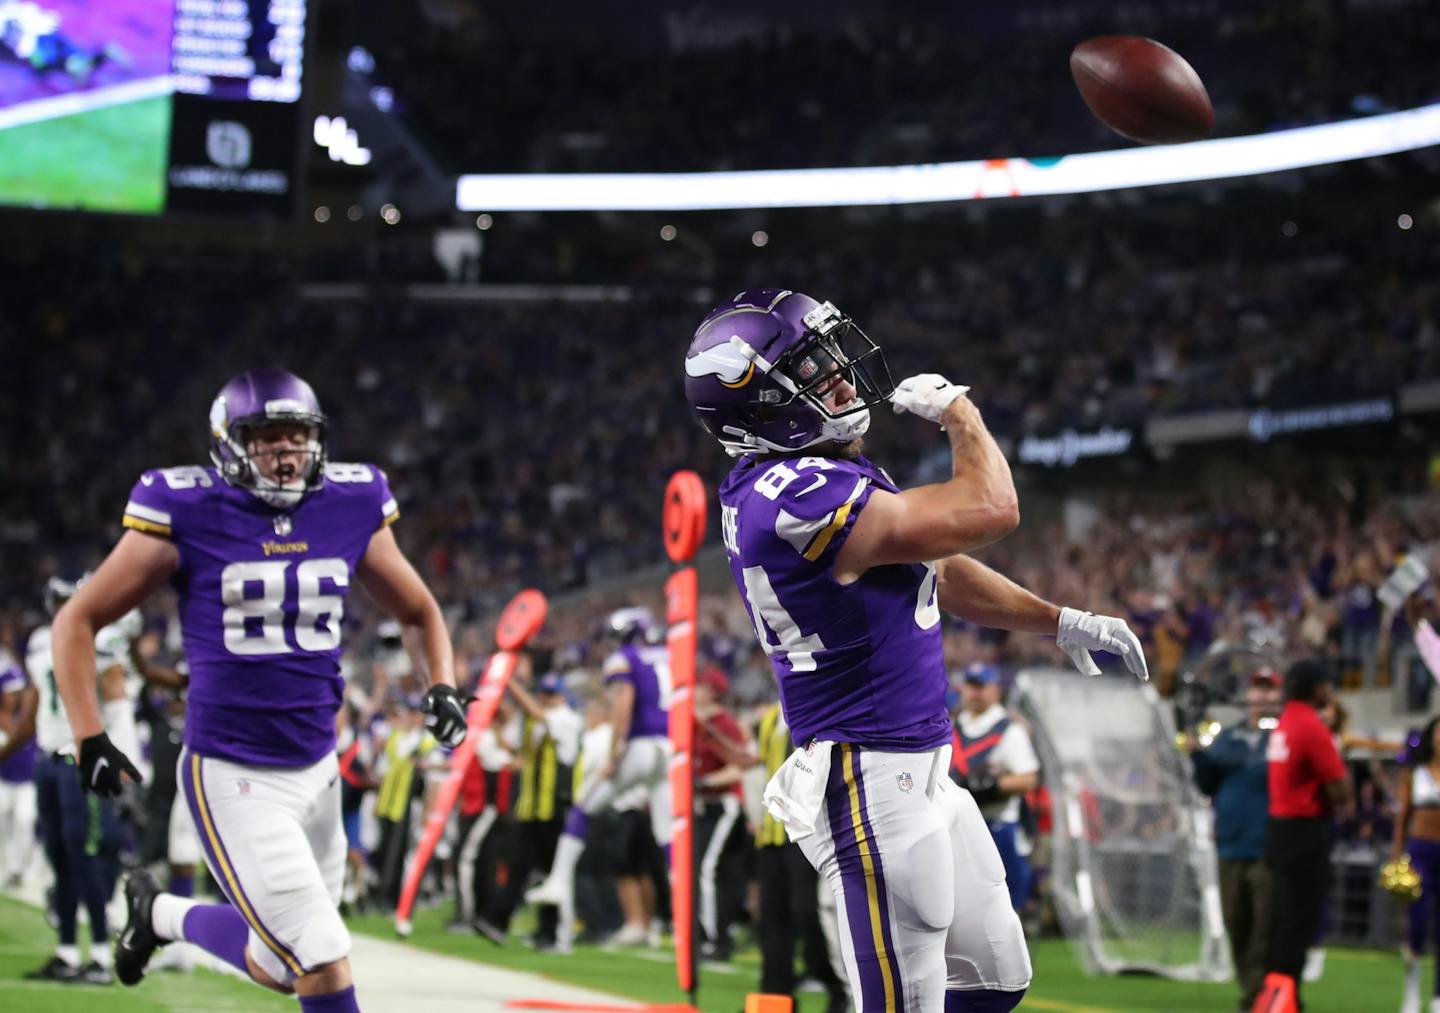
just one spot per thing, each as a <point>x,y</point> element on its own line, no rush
<point>1309,786</point>
<point>720,834</point>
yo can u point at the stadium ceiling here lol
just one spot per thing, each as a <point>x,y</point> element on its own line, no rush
<point>938,182</point>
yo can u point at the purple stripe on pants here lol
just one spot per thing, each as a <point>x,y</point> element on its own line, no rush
<point>884,895</point>
<point>219,860</point>
<point>853,880</point>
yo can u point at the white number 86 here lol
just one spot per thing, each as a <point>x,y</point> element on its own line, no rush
<point>317,616</point>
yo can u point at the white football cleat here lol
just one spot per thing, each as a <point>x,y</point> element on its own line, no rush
<point>629,934</point>
<point>1314,965</point>
<point>548,892</point>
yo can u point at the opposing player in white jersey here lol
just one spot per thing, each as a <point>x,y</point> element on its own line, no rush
<point>80,834</point>
<point>844,576</point>
<point>262,550</point>
<point>637,679</point>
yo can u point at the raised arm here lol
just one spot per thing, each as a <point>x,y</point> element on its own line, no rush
<point>977,506</point>
<point>526,700</point>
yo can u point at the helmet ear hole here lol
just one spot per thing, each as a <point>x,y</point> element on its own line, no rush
<point>760,415</point>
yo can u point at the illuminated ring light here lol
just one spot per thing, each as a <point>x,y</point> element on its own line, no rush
<point>955,181</point>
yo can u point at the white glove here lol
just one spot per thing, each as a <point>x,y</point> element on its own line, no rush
<point>1083,632</point>
<point>926,395</point>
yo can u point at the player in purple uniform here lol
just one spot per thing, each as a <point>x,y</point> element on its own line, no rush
<point>17,771</point>
<point>261,549</point>
<point>637,680</point>
<point>844,577</point>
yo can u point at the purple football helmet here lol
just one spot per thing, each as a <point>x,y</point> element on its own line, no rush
<point>259,397</point>
<point>760,363</point>
<point>633,623</point>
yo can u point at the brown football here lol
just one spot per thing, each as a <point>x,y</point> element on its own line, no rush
<point>1142,90</point>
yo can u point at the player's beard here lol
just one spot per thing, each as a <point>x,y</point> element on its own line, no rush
<point>847,450</point>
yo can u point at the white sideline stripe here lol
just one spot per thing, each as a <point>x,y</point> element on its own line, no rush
<point>390,977</point>
<point>147,513</point>
<point>1250,155</point>
<point>86,101</point>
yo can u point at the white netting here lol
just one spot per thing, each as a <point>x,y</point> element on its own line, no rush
<point>1133,873</point>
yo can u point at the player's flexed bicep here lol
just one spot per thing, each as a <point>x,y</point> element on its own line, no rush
<point>974,508</point>
<point>399,589</point>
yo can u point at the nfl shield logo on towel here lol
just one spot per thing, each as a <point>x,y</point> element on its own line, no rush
<point>905,781</point>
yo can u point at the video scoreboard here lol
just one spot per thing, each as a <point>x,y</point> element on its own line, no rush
<point>190,107</point>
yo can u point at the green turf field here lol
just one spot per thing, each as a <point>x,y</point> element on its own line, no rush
<point>26,942</point>
<point>110,159</point>
<point>1356,981</point>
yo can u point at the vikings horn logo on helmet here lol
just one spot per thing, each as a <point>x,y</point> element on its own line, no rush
<point>767,372</point>
<point>727,362</point>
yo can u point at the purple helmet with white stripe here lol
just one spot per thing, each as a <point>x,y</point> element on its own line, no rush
<point>633,623</point>
<point>261,397</point>
<point>760,364</point>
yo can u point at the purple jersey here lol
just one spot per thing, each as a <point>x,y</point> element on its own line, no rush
<point>860,663</point>
<point>20,768</point>
<point>648,670</point>
<point>262,595</point>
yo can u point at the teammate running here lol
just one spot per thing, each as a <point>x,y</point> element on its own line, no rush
<point>262,549</point>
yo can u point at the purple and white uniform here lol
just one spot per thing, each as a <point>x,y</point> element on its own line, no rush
<point>859,663</point>
<point>645,764</point>
<point>20,768</point>
<point>17,784</point>
<point>919,887</point>
<point>262,594</point>
<point>647,668</point>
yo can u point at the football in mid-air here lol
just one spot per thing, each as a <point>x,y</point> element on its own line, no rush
<point>1142,90</point>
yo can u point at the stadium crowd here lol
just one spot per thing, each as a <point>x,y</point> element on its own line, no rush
<point>863,86</point>
<point>527,441</point>
<point>511,429</point>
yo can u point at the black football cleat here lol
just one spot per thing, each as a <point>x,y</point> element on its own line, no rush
<point>138,942</point>
<point>54,969</point>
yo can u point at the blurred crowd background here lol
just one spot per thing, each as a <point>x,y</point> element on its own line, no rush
<point>525,397</point>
